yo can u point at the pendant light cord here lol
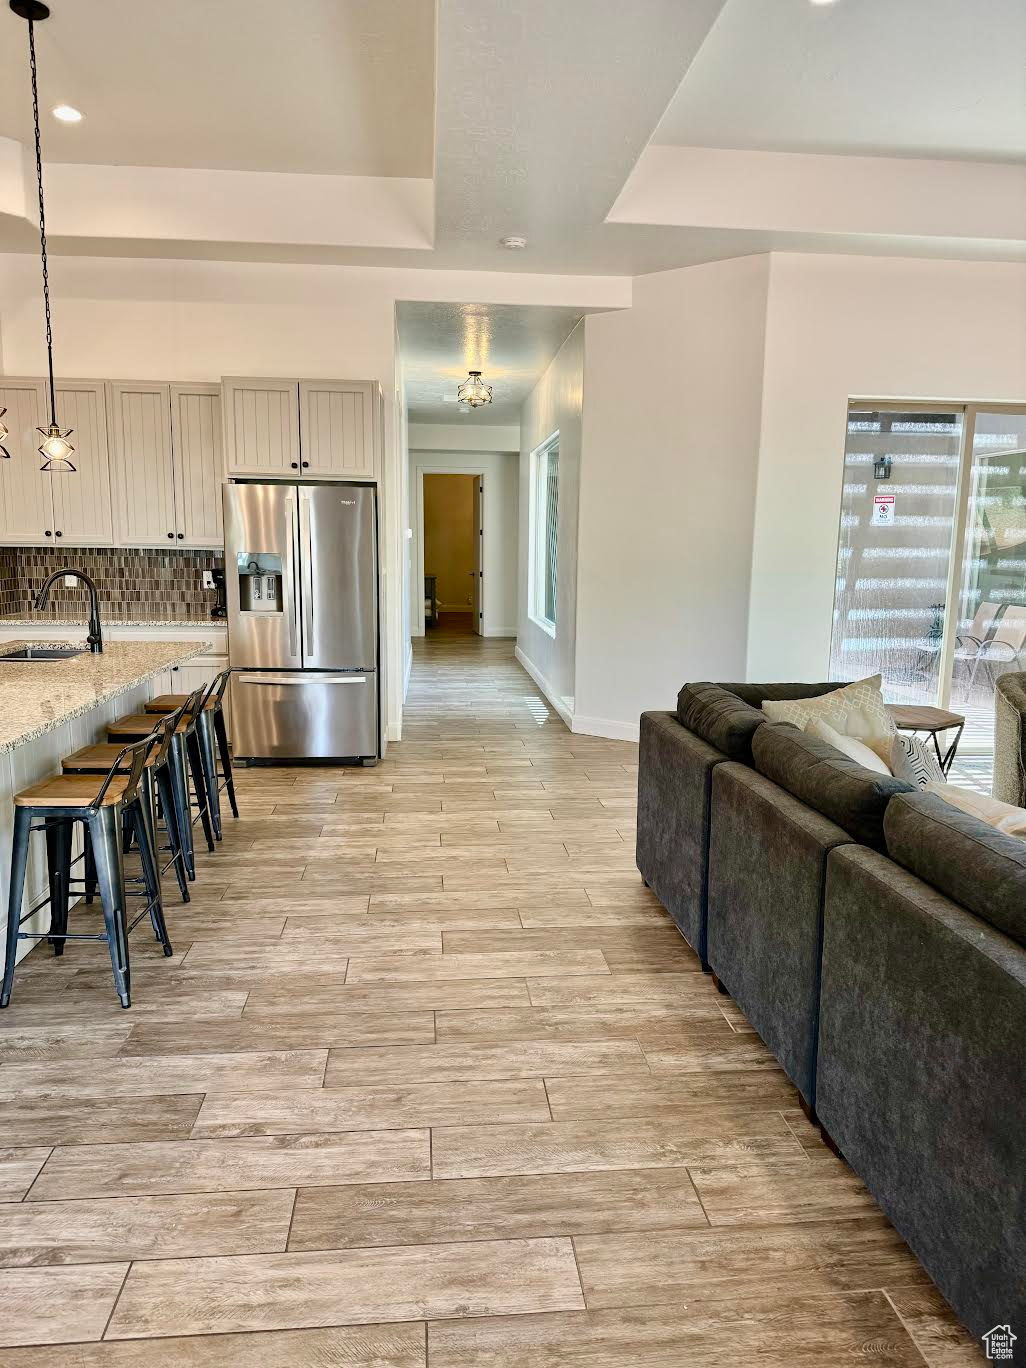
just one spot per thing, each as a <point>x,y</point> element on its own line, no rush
<point>42,221</point>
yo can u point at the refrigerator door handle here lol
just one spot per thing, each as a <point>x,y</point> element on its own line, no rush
<point>290,512</point>
<point>303,679</point>
<point>306,560</point>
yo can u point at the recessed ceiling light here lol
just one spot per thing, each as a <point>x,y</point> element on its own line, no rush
<point>514,243</point>
<point>67,113</point>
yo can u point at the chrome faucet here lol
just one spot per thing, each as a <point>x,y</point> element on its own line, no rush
<point>95,638</point>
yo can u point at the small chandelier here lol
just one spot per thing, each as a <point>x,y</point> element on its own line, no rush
<point>55,448</point>
<point>474,392</point>
<point>5,432</point>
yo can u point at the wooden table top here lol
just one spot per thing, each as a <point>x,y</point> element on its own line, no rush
<point>923,717</point>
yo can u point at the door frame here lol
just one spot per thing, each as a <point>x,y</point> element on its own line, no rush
<point>442,468</point>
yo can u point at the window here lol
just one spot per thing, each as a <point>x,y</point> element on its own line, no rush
<point>544,533</point>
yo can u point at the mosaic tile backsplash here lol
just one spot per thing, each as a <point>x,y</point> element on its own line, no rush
<point>131,584</point>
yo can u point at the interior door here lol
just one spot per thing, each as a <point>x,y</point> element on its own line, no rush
<point>478,597</point>
<point>339,593</point>
<point>82,511</point>
<point>26,512</point>
<point>142,483</point>
<point>261,564</point>
<point>198,463</point>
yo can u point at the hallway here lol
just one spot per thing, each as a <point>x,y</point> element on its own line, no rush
<point>431,1078</point>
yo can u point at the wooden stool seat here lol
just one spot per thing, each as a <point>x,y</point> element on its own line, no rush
<point>138,725</point>
<point>98,759</point>
<point>169,703</point>
<point>70,791</point>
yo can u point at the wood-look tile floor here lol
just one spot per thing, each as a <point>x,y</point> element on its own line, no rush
<point>430,1079</point>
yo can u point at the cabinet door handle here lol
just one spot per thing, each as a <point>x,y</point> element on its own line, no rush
<point>170,536</point>
<point>58,534</point>
<point>181,536</point>
<point>295,465</point>
<point>305,464</point>
<point>47,533</point>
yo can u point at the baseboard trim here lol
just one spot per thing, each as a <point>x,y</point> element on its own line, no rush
<point>605,726</point>
<point>546,688</point>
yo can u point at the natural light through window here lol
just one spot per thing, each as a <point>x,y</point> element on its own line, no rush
<point>544,533</point>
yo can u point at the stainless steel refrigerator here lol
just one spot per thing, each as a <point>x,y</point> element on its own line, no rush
<point>301,563</point>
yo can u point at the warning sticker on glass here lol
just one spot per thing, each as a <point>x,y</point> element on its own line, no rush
<point>883,510</point>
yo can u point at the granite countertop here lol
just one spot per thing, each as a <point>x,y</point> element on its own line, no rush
<point>140,619</point>
<point>37,696</point>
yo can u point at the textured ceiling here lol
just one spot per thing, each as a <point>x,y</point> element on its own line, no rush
<point>323,86</point>
<point>929,78</point>
<point>510,344</point>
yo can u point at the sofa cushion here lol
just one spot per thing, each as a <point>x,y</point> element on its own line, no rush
<point>728,715</point>
<point>841,789</point>
<point>973,864</point>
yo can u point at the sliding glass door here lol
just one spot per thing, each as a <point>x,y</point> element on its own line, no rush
<point>931,557</point>
<point>990,633</point>
<point>894,546</point>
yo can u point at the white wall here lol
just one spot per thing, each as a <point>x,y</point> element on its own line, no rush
<point>671,431</point>
<point>843,327</point>
<point>500,516</point>
<point>554,405</point>
<point>119,318</point>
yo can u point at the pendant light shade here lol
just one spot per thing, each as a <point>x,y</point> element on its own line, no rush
<point>5,432</point>
<point>55,450</point>
<point>474,392</point>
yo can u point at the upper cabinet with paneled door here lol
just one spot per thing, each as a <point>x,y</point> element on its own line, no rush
<point>319,429</point>
<point>43,508</point>
<point>167,464</point>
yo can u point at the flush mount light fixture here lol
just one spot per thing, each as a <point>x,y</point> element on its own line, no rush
<point>67,113</point>
<point>55,450</point>
<point>822,2</point>
<point>5,432</point>
<point>474,392</point>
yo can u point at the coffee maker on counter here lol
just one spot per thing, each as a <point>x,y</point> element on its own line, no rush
<point>220,608</point>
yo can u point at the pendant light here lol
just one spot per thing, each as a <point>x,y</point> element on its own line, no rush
<point>474,392</point>
<point>55,448</point>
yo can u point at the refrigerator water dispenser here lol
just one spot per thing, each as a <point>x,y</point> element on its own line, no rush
<point>260,582</point>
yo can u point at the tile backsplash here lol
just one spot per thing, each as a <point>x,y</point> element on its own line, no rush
<point>130,583</point>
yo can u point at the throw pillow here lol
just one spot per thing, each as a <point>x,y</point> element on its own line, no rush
<point>915,761</point>
<point>1002,816</point>
<point>847,745</point>
<point>855,710</point>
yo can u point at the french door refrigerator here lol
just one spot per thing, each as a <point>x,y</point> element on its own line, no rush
<point>301,564</point>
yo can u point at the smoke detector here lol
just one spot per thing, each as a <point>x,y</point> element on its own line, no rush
<point>513,243</point>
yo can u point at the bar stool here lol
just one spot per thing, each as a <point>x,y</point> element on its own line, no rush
<point>157,777</point>
<point>185,759</point>
<point>102,806</point>
<point>213,733</point>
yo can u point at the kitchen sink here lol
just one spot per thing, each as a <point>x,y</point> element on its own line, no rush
<point>43,653</point>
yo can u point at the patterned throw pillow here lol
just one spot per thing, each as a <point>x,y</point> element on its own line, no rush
<point>855,710</point>
<point>915,761</point>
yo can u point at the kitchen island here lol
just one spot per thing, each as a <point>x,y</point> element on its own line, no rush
<point>49,708</point>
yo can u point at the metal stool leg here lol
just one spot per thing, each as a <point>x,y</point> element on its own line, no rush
<point>58,868</point>
<point>205,731</point>
<point>88,865</point>
<point>104,828</point>
<point>183,812</point>
<point>167,804</point>
<point>150,867</point>
<point>221,732</point>
<point>192,744</point>
<point>19,862</point>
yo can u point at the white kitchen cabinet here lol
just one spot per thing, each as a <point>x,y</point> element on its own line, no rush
<point>37,507</point>
<point>198,464</point>
<point>26,507</point>
<point>338,428</point>
<point>261,426</point>
<point>142,477</point>
<point>82,514</point>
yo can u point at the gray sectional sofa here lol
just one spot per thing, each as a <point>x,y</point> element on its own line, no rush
<point>875,937</point>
